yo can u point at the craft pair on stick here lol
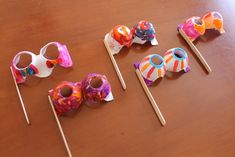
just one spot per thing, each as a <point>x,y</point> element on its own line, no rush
<point>154,66</point>
<point>175,60</point>
<point>194,27</point>
<point>92,89</point>
<point>121,36</point>
<point>68,96</point>
<point>41,66</point>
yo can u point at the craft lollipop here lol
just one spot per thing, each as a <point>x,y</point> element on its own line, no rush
<point>154,66</point>
<point>190,30</point>
<point>117,38</point>
<point>147,72</point>
<point>40,66</point>
<point>68,96</point>
<point>121,36</point>
<point>96,89</point>
<point>194,27</point>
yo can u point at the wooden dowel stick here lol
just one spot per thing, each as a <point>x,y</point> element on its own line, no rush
<point>20,97</point>
<point>195,50</point>
<point>60,128</point>
<point>150,97</point>
<point>115,66</point>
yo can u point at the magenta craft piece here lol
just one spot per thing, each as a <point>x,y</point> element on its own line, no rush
<point>40,65</point>
<point>144,32</point>
<point>66,96</point>
<point>96,88</point>
<point>193,27</point>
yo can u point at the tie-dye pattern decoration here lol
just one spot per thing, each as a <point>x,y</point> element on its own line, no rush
<point>64,104</point>
<point>82,91</point>
<point>117,38</point>
<point>96,94</point>
<point>144,32</point>
<point>122,35</point>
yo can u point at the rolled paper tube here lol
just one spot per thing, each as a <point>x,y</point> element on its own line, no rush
<point>151,67</point>
<point>176,59</point>
<point>96,88</point>
<point>214,20</point>
<point>66,96</point>
<point>144,32</point>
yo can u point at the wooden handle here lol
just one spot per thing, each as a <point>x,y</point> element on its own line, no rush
<point>115,66</point>
<point>150,97</point>
<point>20,97</point>
<point>195,50</point>
<point>60,128</point>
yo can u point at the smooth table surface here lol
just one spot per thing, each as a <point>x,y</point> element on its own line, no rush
<point>199,108</point>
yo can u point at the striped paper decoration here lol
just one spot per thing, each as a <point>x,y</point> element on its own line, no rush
<point>150,70</point>
<point>176,59</point>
